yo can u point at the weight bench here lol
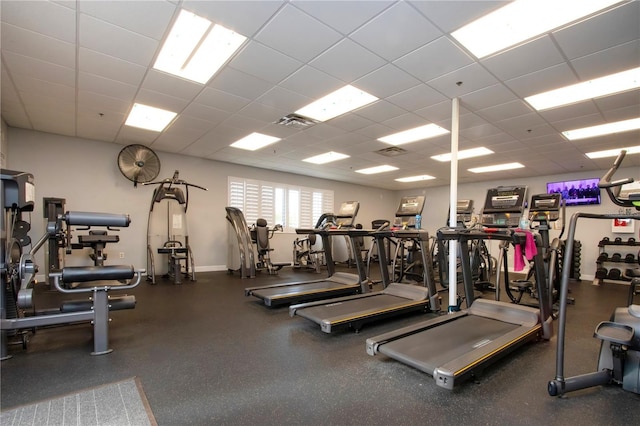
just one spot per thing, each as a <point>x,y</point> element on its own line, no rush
<point>176,253</point>
<point>96,310</point>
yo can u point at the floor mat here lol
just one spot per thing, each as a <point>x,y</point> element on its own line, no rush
<point>119,403</point>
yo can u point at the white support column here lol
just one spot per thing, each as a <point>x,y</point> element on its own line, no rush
<point>453,201</point>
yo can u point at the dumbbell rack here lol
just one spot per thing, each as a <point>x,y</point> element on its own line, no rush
<point>618,261</point>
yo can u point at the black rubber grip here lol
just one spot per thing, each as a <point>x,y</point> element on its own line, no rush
<point>81,274</point>
<point>97,219</point>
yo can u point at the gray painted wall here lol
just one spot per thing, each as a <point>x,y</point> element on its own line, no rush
<point>85,173</point>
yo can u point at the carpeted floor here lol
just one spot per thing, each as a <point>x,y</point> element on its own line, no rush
<point>209,355</point>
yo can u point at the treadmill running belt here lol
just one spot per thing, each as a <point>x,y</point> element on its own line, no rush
<point>432,348</point>
<point>351,308</point>
<point>304,292</point>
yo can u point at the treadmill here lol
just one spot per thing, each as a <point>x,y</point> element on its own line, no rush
<point>455,346</point>
<point>335,285</point>
<point>396,298</point>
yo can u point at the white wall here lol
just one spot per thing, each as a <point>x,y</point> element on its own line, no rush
<point>4,144</point>
<point>588,231</point>
<point>85,173</point>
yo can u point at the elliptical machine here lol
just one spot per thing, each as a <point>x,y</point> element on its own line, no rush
<point>619,360</point>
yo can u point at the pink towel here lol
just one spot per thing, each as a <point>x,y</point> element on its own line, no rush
<point>530,250</point>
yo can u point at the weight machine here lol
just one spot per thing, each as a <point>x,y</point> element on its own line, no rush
<point>19,271</point>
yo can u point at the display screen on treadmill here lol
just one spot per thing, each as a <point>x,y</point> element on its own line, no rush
<point>410,206</point>
<point>505,199</point>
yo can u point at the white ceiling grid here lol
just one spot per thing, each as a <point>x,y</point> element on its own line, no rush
<point>76,67</point>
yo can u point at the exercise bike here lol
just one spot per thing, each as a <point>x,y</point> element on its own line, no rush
<point>619,360</point>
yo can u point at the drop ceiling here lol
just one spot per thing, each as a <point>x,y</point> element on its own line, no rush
<point>76,67</point>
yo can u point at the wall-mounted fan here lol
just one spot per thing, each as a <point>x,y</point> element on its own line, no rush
<point>138,163</point>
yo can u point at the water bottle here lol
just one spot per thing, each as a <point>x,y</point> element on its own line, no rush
<point>418,221</point>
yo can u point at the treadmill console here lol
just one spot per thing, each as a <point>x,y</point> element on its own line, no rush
<point>504,207</point>
<point>464,211</point>
<point>409,208</point>
<point>545,207</point>
<point>346,216</point>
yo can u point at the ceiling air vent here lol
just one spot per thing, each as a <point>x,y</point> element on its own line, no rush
<point>392,151</point>
<point>296,121</point>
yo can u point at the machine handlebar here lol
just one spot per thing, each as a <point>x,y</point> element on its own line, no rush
<point>613,188</point>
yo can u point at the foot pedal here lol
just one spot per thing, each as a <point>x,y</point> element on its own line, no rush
<point>521,285</point>
<point>614,332</point>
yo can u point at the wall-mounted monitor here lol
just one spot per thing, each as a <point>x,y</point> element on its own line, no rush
<point>577,192</point>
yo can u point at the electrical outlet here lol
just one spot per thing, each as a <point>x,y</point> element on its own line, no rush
<point>121,255</point>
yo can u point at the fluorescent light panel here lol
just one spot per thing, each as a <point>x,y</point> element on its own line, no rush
<point>613,152</point>
<point>523,20</point>
<point>596,88</point>
<point>496,168</point>
<point>327,157</point>
<point>254,141</point>
<point>603,129</point>
<point>377,169</point>
<point>465,153</point>
<point>416,134</point>
<point>337,103</point>
<point>415,178</point>
<point>149,118</point>
<point>196,48</point>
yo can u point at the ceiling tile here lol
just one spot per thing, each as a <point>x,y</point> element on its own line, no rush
<point>110,67</point>
<point>338,61</point>
<point>297,35</point>
<point>439,57</point>
<point>177,87</point>
<point>450,16</point>
<point>311,82</point>
<point>410,31</point>
<point>609,61</point>
<point>386,81</point>
<point>533,56</point>
<point>344,16</point>
<point>115,41</point>
<point>617,26</point>
<point>37,16</point>
<point>472,78</point>
<point>244,17</point>
<point>150,19</point>
<point>261,61</point>
<point>29,43</point>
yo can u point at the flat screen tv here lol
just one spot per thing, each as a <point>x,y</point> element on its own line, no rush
<point>578,192</point>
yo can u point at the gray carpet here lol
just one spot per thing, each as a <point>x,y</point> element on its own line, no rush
<point>120,403</point>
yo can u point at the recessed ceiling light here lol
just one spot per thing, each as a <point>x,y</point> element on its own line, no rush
<point>613,152</point>
<point>416,134</point>
<point>196,48</point>
<point>465,153</point>
<point>603,129</point>
<point>415,178</point>
<point>327,157</point>
<point>337,103</point>
<point>149,118</point>
<point>596,88</point>
<point>254,141</point>
<point>496,168</point>
<point>377,169</point>
<point>523,20</point>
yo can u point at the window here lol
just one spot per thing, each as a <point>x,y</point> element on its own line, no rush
<point>290,206</point>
